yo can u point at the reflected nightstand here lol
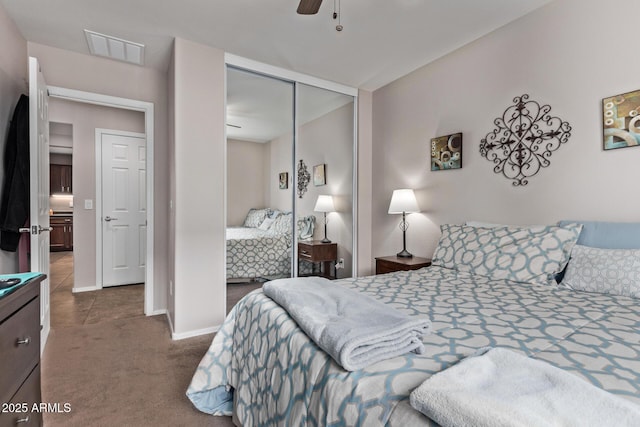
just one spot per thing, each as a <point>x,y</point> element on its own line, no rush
<point>389,264</point>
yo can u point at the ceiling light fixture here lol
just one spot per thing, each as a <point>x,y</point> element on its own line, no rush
<point>115,48</point>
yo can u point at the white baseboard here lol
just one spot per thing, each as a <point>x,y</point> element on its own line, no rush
<point>191,334</point>
<point>158,312</point>
<point>85,289</point>
<point>170,323</point>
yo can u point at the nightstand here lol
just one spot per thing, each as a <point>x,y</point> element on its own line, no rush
<point>315,251</point>
<point>389,264</point>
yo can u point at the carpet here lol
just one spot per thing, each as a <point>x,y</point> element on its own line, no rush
<point>124,372</point>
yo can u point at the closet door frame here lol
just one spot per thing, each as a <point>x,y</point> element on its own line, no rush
<point>296,78</point>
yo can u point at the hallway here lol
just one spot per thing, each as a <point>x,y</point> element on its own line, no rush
<point>86,308</point>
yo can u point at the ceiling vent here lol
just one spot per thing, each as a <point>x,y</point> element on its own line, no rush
<point>115,48</point>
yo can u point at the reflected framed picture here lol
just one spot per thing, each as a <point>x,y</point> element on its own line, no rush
<point>446,152</point>
<point>319,177</point>
<point>621,121</point>
<point>283,180</point>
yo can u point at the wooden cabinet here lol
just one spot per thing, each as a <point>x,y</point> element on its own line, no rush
<point>60,179</point>
<point>20,355</point>
<point>389,264</point>
<point>315,251</point>
<point>61,237</point>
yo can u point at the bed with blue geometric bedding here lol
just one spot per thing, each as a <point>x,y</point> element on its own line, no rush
<point>280,377</point>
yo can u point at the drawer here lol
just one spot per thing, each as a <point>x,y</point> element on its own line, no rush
<point>392,264</point>
<point>305,253</point>
<point>383,267</point>
<point>317,252</point>
<point>23,400</point>
<point>18,360</point>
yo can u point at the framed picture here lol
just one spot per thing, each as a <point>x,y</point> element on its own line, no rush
<point>446,152</point>
<point>283,180</point>
<point>621,120</point>
<point>319,177</point>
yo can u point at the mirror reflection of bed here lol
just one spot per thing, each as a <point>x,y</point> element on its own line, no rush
<point>267,213</point>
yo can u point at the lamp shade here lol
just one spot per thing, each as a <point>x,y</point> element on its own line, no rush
<point>324,204</point>
<point>403,200</point>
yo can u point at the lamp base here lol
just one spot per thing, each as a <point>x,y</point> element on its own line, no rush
<point>325,240</point>
<point>404,254</point>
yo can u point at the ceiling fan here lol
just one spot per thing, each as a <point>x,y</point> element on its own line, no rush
<point>309,7</point>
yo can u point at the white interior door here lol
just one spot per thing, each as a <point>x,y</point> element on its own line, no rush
<point>124,209</point>
<point>39,186</point>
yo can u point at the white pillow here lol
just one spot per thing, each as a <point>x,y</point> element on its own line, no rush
<point>266,223</point>
<point>520,254</point>
<point>606,271</point>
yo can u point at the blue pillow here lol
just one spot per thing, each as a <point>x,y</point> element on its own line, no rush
<point>608,235</point>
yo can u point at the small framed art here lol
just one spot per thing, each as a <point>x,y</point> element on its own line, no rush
<point>621,120</point>
<point>283,180</point>
<point>446,152</point>
<point>319,177</point>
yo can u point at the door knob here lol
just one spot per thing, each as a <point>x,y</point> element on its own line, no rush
<point>108,218</point>
<point>41,229</point>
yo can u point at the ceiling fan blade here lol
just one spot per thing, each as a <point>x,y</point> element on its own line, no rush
<point>309,7</point>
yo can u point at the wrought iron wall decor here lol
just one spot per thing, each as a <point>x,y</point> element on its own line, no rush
<point>303,178</point>
<point>524,138</point>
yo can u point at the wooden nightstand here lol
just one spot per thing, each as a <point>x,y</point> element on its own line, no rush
<point>389,264</point>
<point>315,251</point>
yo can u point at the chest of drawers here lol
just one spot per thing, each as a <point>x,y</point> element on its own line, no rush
<point>20,355</point>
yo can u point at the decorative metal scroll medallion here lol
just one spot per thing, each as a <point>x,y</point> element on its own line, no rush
<point>303,178</point>
<point>524,138</point>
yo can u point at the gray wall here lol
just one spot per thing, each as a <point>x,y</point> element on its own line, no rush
<point>569,54</point>
<point>246,176</point>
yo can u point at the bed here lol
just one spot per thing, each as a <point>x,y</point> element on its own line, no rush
<point>261,248</point>
<point>280,377</point>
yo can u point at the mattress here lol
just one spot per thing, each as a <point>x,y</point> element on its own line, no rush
<point>280,377</point>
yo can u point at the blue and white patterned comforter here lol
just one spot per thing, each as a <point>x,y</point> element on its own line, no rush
<point>255,253</point>
<point>280,377</point>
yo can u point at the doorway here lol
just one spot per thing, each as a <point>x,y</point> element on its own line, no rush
<point>147,109</point>
<point>61,207</point>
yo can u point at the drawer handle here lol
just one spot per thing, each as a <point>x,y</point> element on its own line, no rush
<point>25,341</point>
<point>23,420</point>
<point>304,252</point>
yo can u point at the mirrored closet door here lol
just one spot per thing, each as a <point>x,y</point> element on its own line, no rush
<point>260,128</point>
<point>325,147</point>
<point>290,179</point>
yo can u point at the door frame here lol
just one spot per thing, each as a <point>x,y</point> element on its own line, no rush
<point>148,109</point>
<point>99,241</point>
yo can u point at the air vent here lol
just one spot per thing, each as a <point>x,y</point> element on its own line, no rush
<point>115,48</point>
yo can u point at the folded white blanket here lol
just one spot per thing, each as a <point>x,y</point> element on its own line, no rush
<point>504,388</point>
<point>354,329</point>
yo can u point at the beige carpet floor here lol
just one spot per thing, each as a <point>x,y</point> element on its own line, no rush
<point>113,365</point>
<point>124,372</point>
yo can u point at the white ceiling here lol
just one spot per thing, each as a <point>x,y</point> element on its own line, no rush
<point>382,40</point>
